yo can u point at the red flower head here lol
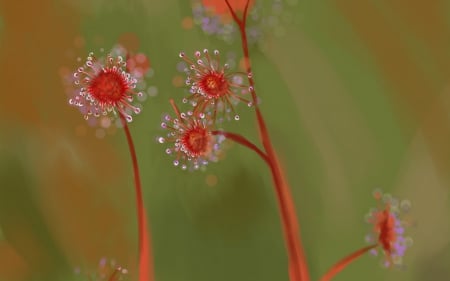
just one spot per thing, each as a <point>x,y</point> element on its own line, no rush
<point>104,87</point>
<point>388,228</point>
<point>213,88</point>
<point>194,145</point>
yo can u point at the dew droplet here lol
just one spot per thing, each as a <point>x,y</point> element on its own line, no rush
<point>161,140</point>
<point>250,104</point>
<point>183,167</point>
<point>368,218</point>
<point>250,75</point>
<point>137,110</point>
<point>409,241</point>
<point>374,252</point>
<point>216,52</point>
<point>185,100</point>
<point>163,125</point>
<point>176,162</point>
<point>236,117</point>
<point>405,205</point>
<point>129,118</point>
<point>250,89</point>
<point>205,51</point>
<point>198,54</point>
<point>169,151</point>
<point>182,54</point>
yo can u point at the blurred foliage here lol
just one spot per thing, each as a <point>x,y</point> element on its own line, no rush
<point>356,96</point>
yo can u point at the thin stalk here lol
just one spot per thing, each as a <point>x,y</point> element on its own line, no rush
<point>298,269</point>
<point>114,274</point>
<point>342,264</point>
<point>243,141</point>
<point>144,244</point>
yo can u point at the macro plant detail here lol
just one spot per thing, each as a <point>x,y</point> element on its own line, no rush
<point>389,223</point>
<point>105,87</point>
<point>193,139</point>
<point>212,86</point>
<point>265,18</point>
<point>194,144</point>
<point>107,270</point>
<point>209,85</point>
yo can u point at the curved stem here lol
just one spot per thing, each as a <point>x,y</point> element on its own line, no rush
<point>342,264</point>
<point>144,245</point>
<point>233,13</point>
<point>243,141</point>
<point>298,269</point>
<point>244,41</point>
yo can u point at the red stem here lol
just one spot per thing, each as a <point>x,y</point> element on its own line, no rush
<point>144,245</point>
<point>113,275</point>
<point>298,269</point>
<point>243,141</point>
<point>342,264</point>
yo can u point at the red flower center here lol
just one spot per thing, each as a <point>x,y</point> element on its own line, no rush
<point>385,226</point>
<point>214,84</point>
<point>108,87</point>
<point>197,141</point>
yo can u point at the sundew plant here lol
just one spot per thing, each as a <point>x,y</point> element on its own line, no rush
<point>194,140</point>
<point>225,140</point>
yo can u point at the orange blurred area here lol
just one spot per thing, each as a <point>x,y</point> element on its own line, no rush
<point>12,266</point>
<point>220,7</point>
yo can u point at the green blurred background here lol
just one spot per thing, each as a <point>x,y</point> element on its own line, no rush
<point>356,95</point>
